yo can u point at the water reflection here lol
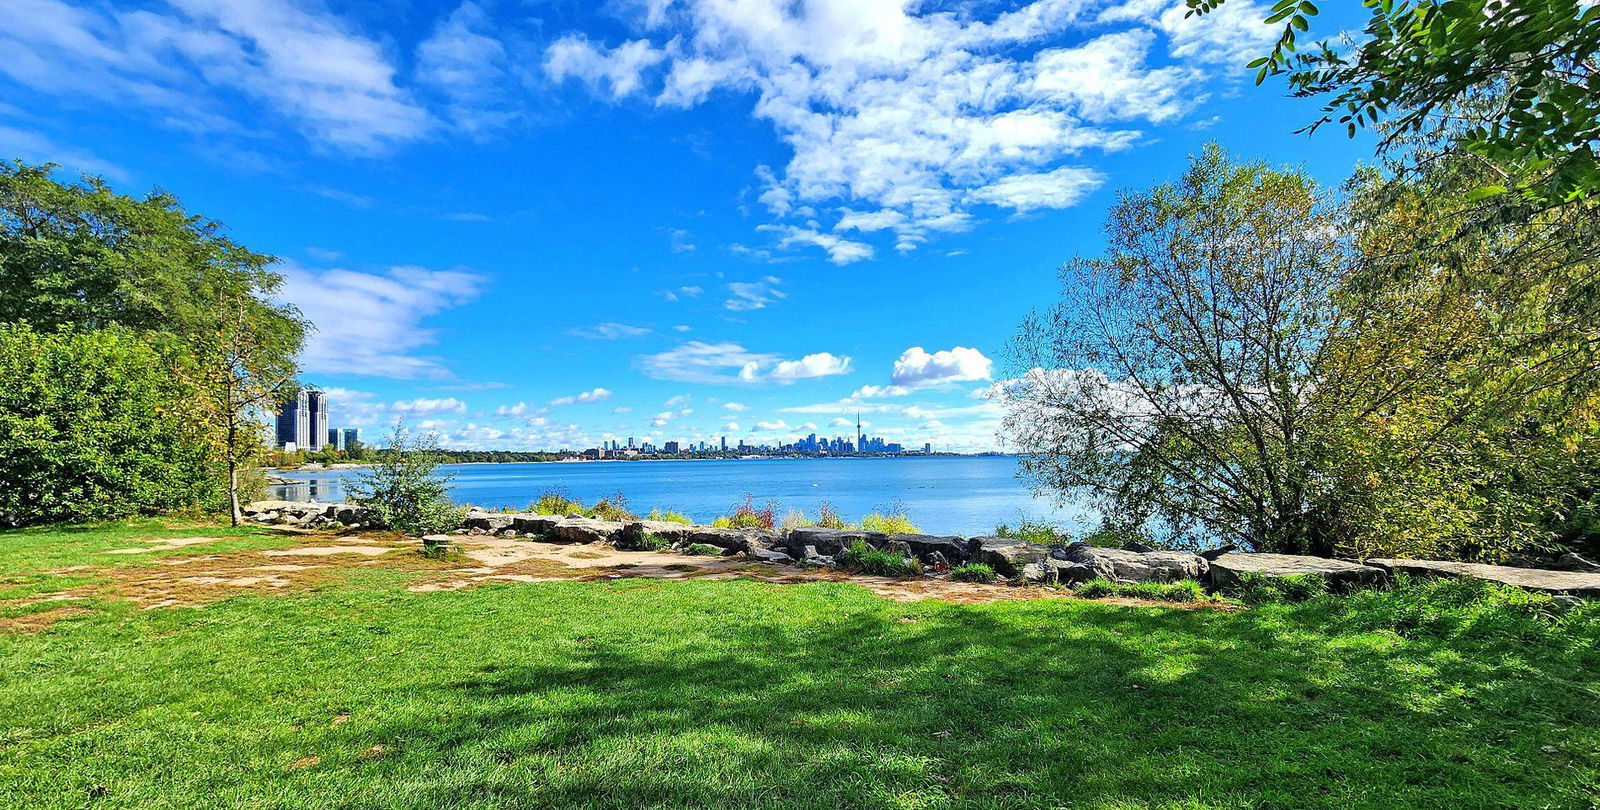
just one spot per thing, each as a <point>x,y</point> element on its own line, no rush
<point>326,490</point>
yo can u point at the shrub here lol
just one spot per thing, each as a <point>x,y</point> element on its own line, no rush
<point>92,428</point>
<point>973,572</point>
<point>612,507</point>
<point>404,488</point>
<point>703,550</point>
<point>747,516</point>
<point>1031,530</point>
<point>1182,591</point>
<point>828,517</point>
<point>645,542</point>
<point>880,563</point>
<point>668,516</point>
<point>556,502</point>
<point>889,520</point>
<point>794,519</point>
<point>1255,589</point>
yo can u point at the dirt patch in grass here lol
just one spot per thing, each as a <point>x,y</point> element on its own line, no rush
<point>164,544</point>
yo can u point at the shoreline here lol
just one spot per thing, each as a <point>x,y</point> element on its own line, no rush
<point>360,465</point>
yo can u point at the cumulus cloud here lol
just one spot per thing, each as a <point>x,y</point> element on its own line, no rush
<point>595,395</point>
<point>372,323</point>
<point>917,368</point>
<point>700,362</point>
<point>913,115</point>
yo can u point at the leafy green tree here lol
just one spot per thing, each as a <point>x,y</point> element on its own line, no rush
<point>404,487</point>
<point>1513,81</point>
<point>94,426</point>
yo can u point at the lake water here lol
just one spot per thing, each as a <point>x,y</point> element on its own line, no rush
<point>943,494</point>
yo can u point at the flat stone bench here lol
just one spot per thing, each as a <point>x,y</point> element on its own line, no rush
<point>1231,567</point>
<point>1578,583</point>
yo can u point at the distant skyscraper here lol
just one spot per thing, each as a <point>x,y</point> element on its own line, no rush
<point>349,437</point>
<point>303,422</point>
<point>861,438</point>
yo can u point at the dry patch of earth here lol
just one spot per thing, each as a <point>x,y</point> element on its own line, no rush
<point>200,579</point>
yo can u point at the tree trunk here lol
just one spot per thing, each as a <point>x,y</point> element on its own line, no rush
<point>233,492</point>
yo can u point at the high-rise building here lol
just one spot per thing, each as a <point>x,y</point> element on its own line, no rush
<point>303,422</point>
<point>670,448</point>
<point>349,437</point>
<point>335,439</point>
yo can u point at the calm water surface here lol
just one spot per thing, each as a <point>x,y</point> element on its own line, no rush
<point>949,495</point>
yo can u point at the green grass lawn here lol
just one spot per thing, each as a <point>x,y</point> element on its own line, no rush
<point>710,694</point>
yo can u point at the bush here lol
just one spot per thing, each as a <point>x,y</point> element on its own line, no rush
<point>794,519</point>
<point>668,516</point>
<point>889,520</point>
<point>403,487</point>
<point>1255,589</point>
<point>612,507</point>
<point>703,550</point>
<point>747,516</point>
<point>1182,591</point>
<point>92,427</point>
<point>555,502</point>
<point>1031,530</point>
<point>880,563</point>
<point>973,572</point>
<point>828,517</point>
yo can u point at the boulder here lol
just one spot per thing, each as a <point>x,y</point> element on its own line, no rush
<point>1050,571</point>
<point>584,530</point>
<point>1228,569</point>
<point>1576,562</point>
<point>1005,555</point>
<point>830,541</point>
<point>671,532</point>
<point>478,520</point>
<point>529,523</point>
<point>765,555</point>
<point>1213,553</point>
<point>1135,545</point>
<point>1136,566</point>
<point>732,539</point>
<point>924,546</point>
<point>1578,583</point>
<point>358,516</point>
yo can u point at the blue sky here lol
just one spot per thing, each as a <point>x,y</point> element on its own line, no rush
<point>548,224</point>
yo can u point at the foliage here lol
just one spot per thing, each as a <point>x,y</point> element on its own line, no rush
<point>794,519</point>
<point>746,515</point>
<point>828,517</point>
<point>84,257</point>
<point>612,507</point>
<point>1177,380</point>
<point>647,542</point>
<point>659,515</point>
<point>404,487</point>
<point>1182,591</point>
<point>973,572</point>
<point>1514,78</point>
<point>1032,530</point>
<point>1256,589</point>
<point>93,426</point>
<point>889,520</point>
<point>873,562</point>
<point>556,502</point>
<point>704,550</point>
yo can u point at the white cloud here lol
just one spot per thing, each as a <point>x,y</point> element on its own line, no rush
<point>595,395</point>
<point>880,391</point>
<point>429,407</point>
<point>464,62</point>
<point>917,368</point>
<point>914,113</point>
<point>371,323</point>
<point>621,409</point>
<point>336,87</point>
<point>610,330</point>
<point>736,406</point>
<point>699,362</point>
<point>750,295</point>
<point>821,364</point>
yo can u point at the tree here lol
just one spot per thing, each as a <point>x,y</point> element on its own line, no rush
<point>1175,380</point>
<point>241,369</point>
<point>404,487</point>
<point>1514,81</point>
<point>93,427</point>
